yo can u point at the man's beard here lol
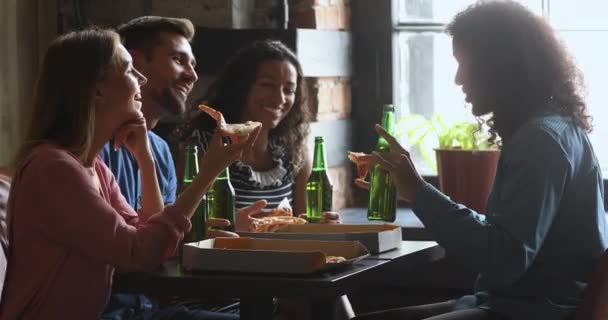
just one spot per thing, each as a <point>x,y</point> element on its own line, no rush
<point>171,101</point>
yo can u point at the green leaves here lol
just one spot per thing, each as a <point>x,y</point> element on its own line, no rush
<point>429,134</point>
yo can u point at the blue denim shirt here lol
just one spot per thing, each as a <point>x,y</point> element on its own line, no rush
<point>544,228</point>
<point>126,171</point>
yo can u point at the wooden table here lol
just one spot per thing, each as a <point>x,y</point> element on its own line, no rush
<point>256,291</point>
<point>411,227</point>
<point>412,253</point>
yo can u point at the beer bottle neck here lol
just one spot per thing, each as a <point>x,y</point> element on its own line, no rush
<point>191,165</point>
<point>319,162</point>
<point>388,123</point>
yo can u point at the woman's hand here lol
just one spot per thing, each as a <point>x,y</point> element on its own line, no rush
<point>243,215</point>
<point>220,156</point>
<point>243,221</point>
<point>397,162</point>
<point>212,228</point>
<point>362,184</point>
<point>217,158</point>
<point>134,136</point>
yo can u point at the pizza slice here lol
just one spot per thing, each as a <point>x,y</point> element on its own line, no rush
<point>334,259</point>
<point>364,163</point>
<point>234,131</point>
<point>271,223</point>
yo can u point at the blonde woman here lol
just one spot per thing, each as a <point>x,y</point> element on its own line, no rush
<point>69,225</point>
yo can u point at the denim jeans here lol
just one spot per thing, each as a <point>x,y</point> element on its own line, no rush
<point>139,307</point>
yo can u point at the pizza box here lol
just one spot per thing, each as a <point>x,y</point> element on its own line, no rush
<point>376,238</point>
<point>269,255</point>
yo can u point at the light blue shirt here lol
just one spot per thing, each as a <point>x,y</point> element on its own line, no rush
<point>126,171</point>
<point>544,228</point>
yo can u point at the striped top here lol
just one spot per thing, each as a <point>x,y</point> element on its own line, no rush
<point>249,185</point>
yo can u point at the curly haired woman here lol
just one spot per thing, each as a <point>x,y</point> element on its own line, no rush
<point>263,82</point>
<point>544,227</point>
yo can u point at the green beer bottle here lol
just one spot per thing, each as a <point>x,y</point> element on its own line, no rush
<point>220,199</point>
<point>382,192</point>
<point>319,190</point>
<point>197,233</point>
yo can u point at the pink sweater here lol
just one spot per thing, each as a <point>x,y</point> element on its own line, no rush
<point>67,236</point>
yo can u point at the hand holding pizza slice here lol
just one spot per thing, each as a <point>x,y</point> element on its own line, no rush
<point>364,163</point>
<point>278,217</point>
<point>272,223</point>
<point>255,219</point>
<point>234,131</point>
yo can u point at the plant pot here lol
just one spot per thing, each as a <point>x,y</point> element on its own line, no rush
<point>467,176</point>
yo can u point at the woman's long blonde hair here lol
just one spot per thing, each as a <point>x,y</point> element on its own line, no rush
<point>63,113</point>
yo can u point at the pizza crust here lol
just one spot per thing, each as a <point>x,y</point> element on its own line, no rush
<point>234,131</point>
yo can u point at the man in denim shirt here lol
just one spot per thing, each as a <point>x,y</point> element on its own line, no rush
<point>544,227</point>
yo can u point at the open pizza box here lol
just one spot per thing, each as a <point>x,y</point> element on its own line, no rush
<point>376,238</point>
<point>269,255</point>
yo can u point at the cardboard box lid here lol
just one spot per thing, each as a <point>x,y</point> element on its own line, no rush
<point>336,228</point>
<point>376,238</point>
<point>269,255</point>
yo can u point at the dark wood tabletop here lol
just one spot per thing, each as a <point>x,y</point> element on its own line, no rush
<point>411,227</point>
<point>412,253</point>
<point>172,279</point>
<point>256,291</point>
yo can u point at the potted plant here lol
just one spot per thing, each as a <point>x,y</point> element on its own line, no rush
<point>464,159</point>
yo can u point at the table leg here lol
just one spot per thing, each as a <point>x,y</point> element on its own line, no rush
<point>325,309</point>
<point>257,308</point>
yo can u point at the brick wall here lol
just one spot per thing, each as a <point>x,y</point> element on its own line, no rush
<point>236,14</point>
<point>320,14</point>
<point>329,97</point>
<point>342,178</point>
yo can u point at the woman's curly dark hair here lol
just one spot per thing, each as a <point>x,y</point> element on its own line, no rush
<point>518,65</point>
<point>228,94</point>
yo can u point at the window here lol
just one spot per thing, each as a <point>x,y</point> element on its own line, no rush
<point>423,81</point>
<point>585,32</point>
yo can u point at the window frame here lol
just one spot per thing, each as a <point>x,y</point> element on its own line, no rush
<point>375,53</point>
<point>372,81</point>
<point>373,84</point>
